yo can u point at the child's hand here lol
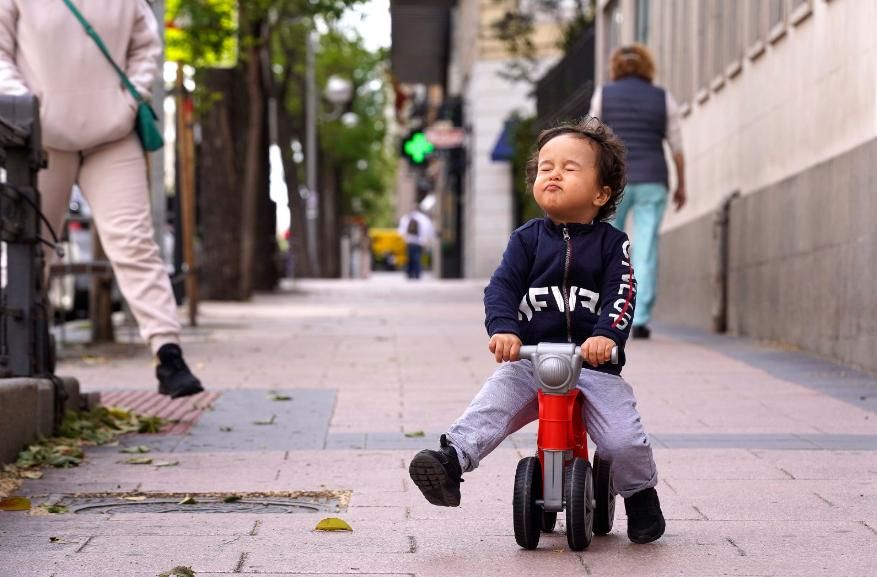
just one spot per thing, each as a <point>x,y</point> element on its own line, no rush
<point>505,347</point>
<point>597,350</point>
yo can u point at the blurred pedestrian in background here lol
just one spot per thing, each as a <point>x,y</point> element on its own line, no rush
<point>417,230</point>
<point>644,116</point>
<point>87,116</point>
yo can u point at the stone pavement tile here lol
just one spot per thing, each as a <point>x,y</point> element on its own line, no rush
<point>84,525</point>
<point>715,464</point>
<point>156,553</point>
<point>780,500</point>
<point>833,466</point>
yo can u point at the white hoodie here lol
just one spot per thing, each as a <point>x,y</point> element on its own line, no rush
<point>44,50</point>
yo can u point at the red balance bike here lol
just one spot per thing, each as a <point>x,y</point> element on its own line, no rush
<point>560,477</point>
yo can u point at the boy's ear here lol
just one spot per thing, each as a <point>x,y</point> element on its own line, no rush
<point>604,196</point>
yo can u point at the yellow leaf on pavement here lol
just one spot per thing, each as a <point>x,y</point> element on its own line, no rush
<point>333,524</point>
<point>15,504</point>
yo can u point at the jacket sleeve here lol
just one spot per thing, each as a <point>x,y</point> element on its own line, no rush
<point>11,81</point>
<point>144,50</point>
<point>618,294</point>
<point>506,288</point>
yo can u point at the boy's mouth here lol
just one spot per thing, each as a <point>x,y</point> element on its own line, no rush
<point>552,188</point>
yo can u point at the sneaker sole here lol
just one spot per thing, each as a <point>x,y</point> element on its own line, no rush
<point>430,477</point>
<point>643,539</point>
<point>188,390</point>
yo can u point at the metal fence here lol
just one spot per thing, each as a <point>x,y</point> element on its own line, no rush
<point>564,93</point>
<point>26,349</point>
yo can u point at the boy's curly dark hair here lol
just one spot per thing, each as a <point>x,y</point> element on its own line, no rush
<point>610,158</point>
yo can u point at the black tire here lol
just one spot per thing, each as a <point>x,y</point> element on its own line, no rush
<point>527,514</point>
<point>604,496</point>
<point>579,493</point>
<point>549,520</point>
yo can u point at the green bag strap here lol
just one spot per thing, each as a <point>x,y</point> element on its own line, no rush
<point>100,44</point>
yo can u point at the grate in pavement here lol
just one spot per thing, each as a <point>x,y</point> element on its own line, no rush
<point>183,413</point>
<point>201,504</point>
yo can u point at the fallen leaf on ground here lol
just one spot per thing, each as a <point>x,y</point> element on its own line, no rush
<point>135,449</point>
<point>178,571</point>
<point>188,500</point>
<point>279,397</point>
<point>415,434</point>
<point>15,504</point>
<point>31,474</point>
<point>138,461</point>
<point>333,524</point>
<point>166,463</point>
<point>266,421</point>
<point>55,509</point>
<point>231,499</point>
<point>135,498</point>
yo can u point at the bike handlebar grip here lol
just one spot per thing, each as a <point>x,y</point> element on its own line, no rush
<point>527,352</point>
<point>613,358</point>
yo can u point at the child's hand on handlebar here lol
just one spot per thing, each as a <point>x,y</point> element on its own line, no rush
<point>505,347</point>
<point>597,350</point>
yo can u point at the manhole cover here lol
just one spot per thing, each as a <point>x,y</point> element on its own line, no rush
<point>331,503</point>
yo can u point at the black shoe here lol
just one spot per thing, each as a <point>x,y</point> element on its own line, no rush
<point>645,522</point>
<point>438,475</point>
<point>174,377</point>
<point>641,332</point>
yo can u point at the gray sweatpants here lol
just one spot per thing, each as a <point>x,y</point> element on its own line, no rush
<point>508,401</point>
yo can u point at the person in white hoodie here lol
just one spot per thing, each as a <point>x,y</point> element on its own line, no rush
<point>87,118</point>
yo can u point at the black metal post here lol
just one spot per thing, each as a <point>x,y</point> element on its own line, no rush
<point>25,346</point>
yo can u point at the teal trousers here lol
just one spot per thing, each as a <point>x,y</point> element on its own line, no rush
<point>647,201</point>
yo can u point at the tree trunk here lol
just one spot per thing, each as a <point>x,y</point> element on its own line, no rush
<point>219,163</point>
<point>253,152</point>
<point>298,240</point>
<point>330,245</point>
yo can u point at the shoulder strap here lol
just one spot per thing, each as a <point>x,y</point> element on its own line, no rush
<point>100,44</point>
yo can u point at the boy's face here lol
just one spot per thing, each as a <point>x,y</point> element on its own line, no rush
<point>567,185</point>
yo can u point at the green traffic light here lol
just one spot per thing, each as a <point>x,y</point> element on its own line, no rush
<point>418,147</point>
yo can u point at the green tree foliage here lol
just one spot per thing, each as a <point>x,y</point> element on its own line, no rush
<point>360,150</point>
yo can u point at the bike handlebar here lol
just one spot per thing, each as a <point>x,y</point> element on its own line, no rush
<point>529,351</point>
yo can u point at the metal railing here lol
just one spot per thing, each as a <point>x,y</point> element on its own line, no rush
<point>26,349</point>
<point>564,93</point>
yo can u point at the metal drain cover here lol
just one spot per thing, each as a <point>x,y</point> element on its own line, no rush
<point>258,505</point>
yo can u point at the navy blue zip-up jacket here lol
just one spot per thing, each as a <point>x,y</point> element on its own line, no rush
<point>563,283</point>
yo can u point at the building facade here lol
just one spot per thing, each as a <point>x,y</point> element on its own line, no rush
<point>779,103</point>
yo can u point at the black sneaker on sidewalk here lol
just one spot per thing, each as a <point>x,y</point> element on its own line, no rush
<point>174,377</point>
<point>438,475</point>
<point>645,521</point>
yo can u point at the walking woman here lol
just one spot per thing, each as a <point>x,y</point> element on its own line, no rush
<point>644,116</point>
<point>88,116</point>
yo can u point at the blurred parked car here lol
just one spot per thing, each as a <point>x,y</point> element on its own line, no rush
<point>388,249</point>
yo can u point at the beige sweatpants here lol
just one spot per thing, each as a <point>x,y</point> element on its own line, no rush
<point>113,180</point>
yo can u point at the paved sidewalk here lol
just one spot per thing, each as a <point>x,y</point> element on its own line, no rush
<point>767,458</point>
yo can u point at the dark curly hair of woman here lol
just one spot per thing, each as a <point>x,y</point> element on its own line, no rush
<point>610,158</point>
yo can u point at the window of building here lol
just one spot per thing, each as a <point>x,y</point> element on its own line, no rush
<point>642,21</point>
<point>613,20</point>
<point>799,10</point>
<point>756,26</point>
<point>733,37</point>
<point>776,19</point>
<point>704,73</point>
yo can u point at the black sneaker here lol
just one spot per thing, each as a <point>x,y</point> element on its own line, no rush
<point>438,475</point>
<point>174,377</point>
<point>641,332</point>
<point>645,522</point>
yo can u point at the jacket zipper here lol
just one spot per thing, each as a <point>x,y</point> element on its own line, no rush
<point>566,264</point>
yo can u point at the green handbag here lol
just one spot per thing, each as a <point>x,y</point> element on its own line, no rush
<point>146,123</point>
